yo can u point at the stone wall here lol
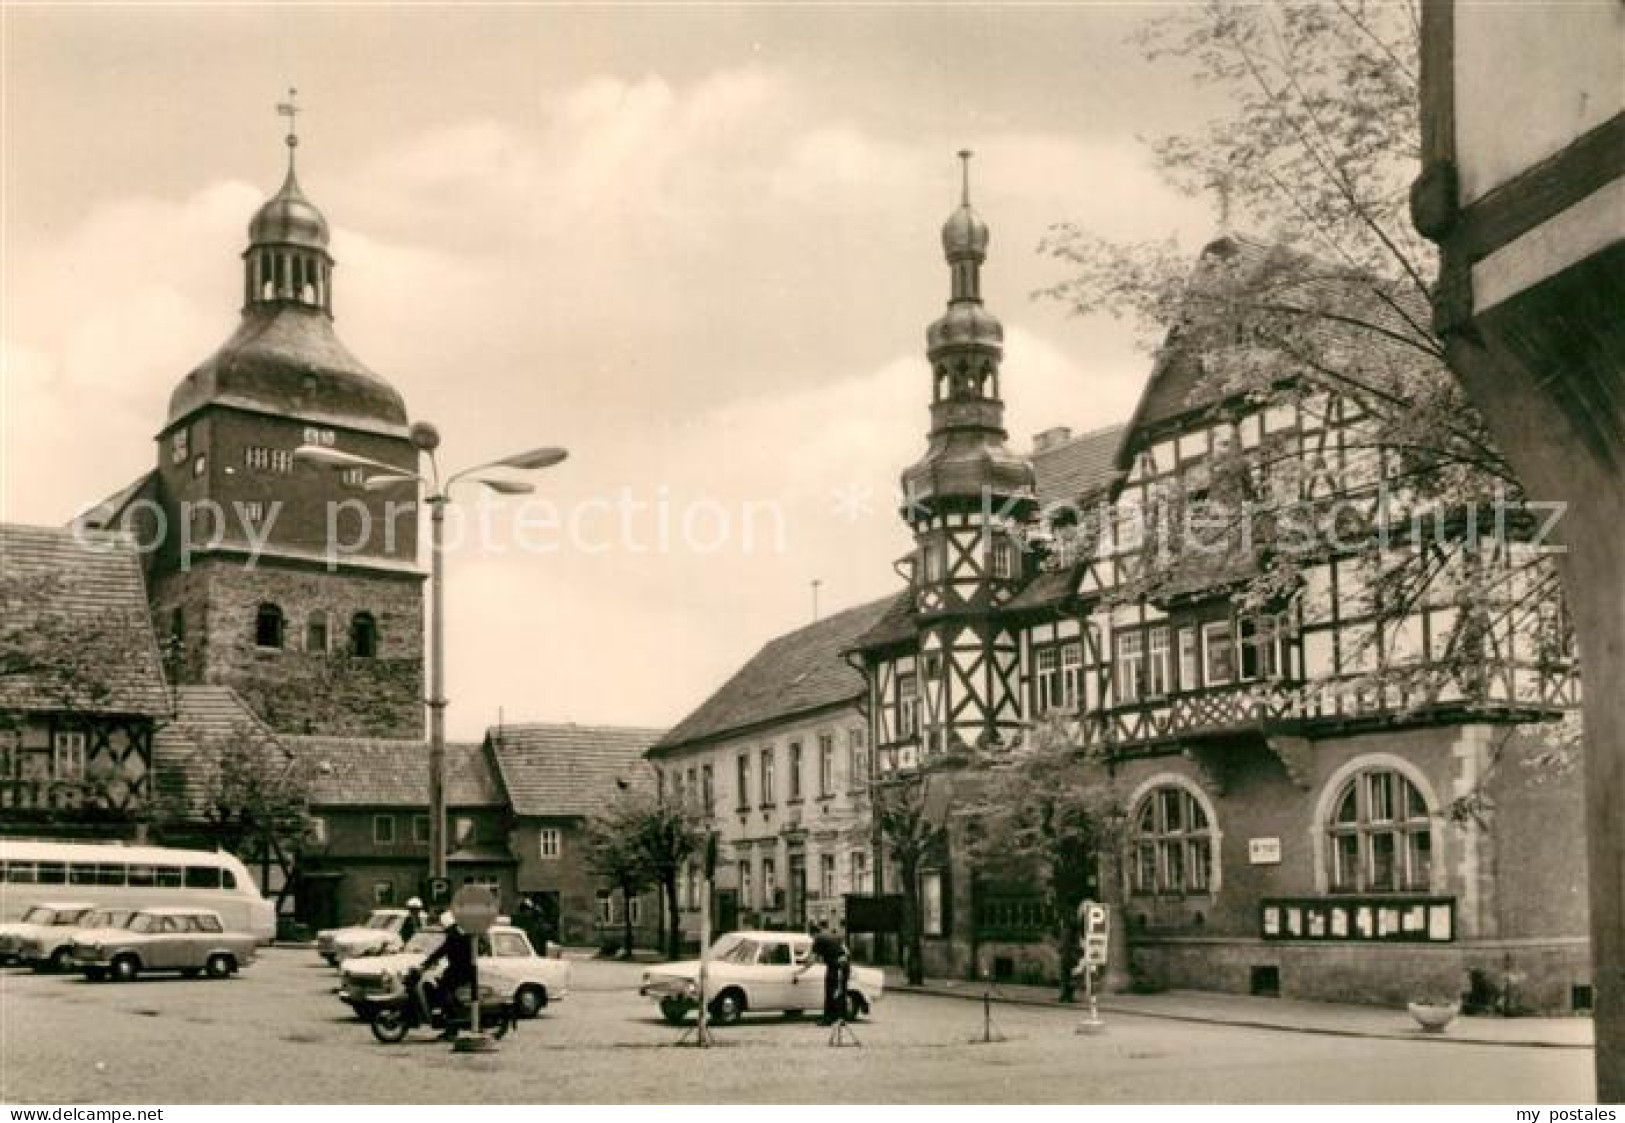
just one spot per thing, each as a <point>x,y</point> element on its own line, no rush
<point>296,689</point>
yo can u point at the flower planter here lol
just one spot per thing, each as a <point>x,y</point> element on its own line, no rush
<point>1433,1016</point>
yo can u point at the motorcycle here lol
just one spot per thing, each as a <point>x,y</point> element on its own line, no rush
<point>418,1006</point>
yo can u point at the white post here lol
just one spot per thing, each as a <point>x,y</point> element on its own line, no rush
<point>705,960</point>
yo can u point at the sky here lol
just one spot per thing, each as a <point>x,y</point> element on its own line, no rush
<point>698,246</point>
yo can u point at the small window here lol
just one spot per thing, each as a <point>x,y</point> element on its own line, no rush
<point>207,922</point>
<point>420,829</point>
<point>228,880</point>
<point>269,626</point>
<point>383,829</point>
<point>1218,653</point>
<point>363,636</point>
<point>315,436</point>
<point>68,756</point>
<point>200,465</point>
<point>1004,557</point>
<point>742,795</point>
<point>353,477</point>
<point>826,764</point>
<point>51,873</point>
<point>1130,666</point>
<point>1160,674</point>
<point>549,842</point>
<point>167,877</point>
<point>707,790</point>
<point>795,771</point>
<point>767,777</point>
<point>383,892</point>
<point>253,512</point>
<point>179,445</point>
<point>827,877</point>
<point>908,706</point>
<point>202,877</point>
<point>316,633</point>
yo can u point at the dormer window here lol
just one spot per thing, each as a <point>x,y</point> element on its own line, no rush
<point>315,436</point>
<point>180,446</point>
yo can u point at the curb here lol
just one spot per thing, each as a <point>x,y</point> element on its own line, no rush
<point>1244,1023</point>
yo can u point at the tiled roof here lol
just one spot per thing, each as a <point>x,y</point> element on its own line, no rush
<point>1177,385</point>
<point>799,671</point>
<point>104,515</point>
<point>76,601</point>
<point>204,715</point>
<point>1079,467</point>
<point>380,772</point>
<point>896,625</point>
<point>567,770</point>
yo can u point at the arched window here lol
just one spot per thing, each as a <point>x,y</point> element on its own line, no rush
<point>1381,835</point>
<point>1173,843</point>
<point>363,636</point>
<point>316,633</point>
<point>268,626</point>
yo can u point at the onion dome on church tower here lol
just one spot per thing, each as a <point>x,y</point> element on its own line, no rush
<point>966,457</point>
<point>285,357</point>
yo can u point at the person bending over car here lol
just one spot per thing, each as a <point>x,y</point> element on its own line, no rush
<point>828,949</point>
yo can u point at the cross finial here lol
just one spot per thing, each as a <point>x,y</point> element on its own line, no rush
<point>290,109</point>
<point>964,161</point>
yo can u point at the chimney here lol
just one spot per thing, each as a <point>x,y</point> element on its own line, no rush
<point>1049,438</point>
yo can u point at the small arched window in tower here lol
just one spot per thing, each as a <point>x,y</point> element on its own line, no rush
<point>363,636</point>
<point>177,626</point>
<point>269,625</point>
<point>316,633</point>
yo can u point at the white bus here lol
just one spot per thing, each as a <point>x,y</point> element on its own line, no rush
<point>112,874</point>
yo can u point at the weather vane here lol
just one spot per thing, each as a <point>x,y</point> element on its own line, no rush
<point>964,158</point>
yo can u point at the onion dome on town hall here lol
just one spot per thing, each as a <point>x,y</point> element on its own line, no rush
<point>965,344</point>
<point>285,358</point>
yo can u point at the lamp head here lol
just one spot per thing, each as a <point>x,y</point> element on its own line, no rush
<point>535,458</point>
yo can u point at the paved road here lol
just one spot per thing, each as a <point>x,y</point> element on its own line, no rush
<point>276,1034</point>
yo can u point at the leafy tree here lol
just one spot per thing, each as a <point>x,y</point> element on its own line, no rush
<point>652,840</point>
<point>613,854</point>
<point>912,833</point>
<point>1050,811</point>
<point>243,791</point>
<point>1315,144</point>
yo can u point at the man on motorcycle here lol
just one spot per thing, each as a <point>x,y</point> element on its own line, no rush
<point>457,949</point>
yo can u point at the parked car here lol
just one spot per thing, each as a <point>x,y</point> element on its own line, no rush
<point>379,934</point>
<point>52,948</point>
<point>41,933</point>
<point>756,972</point>
<point>190,941</point>
<point>508,965</point>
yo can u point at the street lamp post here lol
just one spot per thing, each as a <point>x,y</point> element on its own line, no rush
<point>427,439</point>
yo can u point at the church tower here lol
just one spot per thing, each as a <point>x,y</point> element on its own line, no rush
<point>285,580</point>
<point>961,501</point>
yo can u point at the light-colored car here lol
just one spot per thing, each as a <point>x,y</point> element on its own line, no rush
<point>190,941</point>
<point>382,933</point>
<point>44,935</point>
<point>756,972</point>
<point>508,965</point>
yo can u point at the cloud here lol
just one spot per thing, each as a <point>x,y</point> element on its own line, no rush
<point>712,291</point>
